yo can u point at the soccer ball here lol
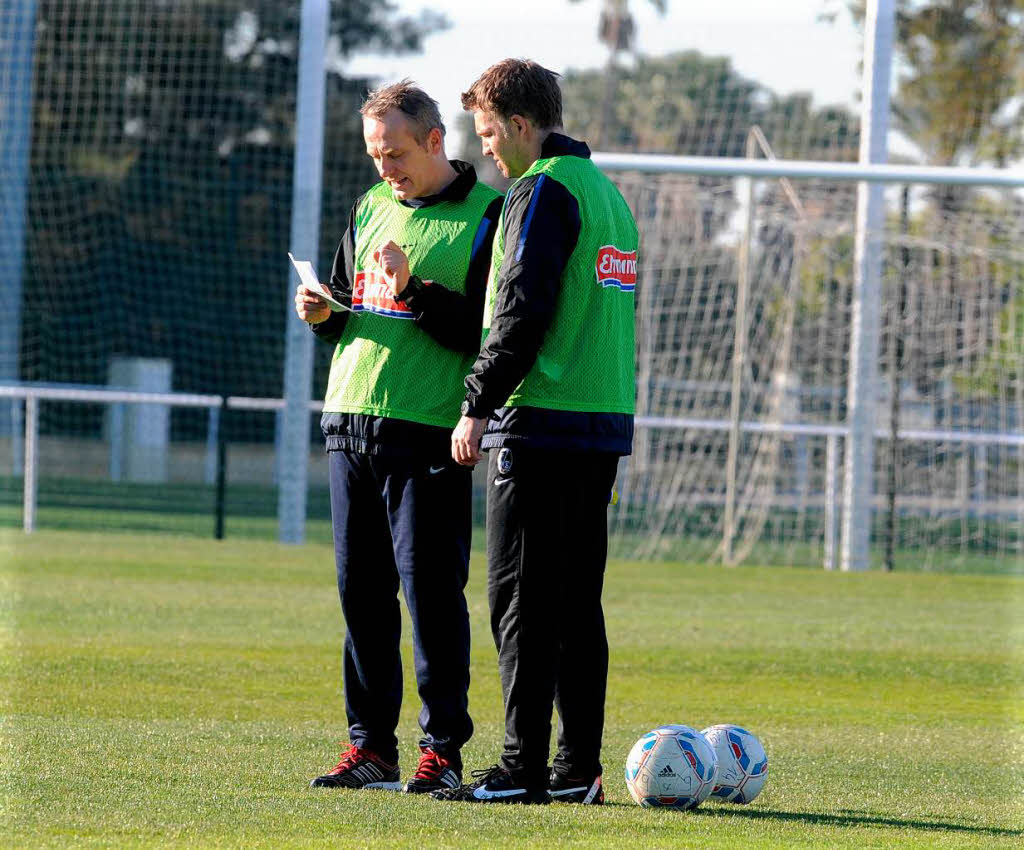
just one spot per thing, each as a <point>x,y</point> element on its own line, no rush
<point>742,763</point>
<point>673,766</point>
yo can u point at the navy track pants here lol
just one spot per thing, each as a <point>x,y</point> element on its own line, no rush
<point>403,523</point>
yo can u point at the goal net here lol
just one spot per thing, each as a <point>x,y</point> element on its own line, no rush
<point>150,247</point>
<point>948,490</point>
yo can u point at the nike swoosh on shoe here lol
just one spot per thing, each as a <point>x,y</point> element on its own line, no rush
<point>561,792</point>
<point>484,794</point>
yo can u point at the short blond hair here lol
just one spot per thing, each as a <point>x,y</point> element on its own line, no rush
<point>409,99</point>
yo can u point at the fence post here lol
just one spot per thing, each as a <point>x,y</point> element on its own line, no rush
<point>31,484</point>
<point>831,499</point>
<point>222,469</point>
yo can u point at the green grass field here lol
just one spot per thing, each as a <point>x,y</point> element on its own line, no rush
<point>166,691</point>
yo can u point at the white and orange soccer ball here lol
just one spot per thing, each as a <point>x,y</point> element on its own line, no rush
<point>742,763</point>
<point>671,766</point>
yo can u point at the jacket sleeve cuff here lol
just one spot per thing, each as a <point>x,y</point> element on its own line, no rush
<point>414,288</point>
<point>474,409</point>
<point>328,330</point>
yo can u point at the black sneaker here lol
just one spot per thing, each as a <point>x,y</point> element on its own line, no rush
<point>359,768</point>
<point>568,789</point>
<point>435,772</point>
<point>495,785</point>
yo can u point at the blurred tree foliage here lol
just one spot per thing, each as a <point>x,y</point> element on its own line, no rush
<point>960,78</point>
<point>616,28</point>
<point>160,184</point>
<point>689,103</point>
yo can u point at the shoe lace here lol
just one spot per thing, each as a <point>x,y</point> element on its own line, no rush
<point>487,773</point>
<point>430,766</point>
<point>349,757</point>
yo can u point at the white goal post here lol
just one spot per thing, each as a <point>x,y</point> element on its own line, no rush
<point>709,166</point>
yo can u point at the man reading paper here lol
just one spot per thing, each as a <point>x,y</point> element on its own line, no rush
<point>411,268</point>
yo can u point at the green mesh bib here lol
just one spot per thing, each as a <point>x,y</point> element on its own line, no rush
<point>384,364</point>
<point>586,361</point>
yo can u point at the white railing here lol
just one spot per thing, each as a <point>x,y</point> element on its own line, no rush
<point>32,395</point>
<point>833,434</point>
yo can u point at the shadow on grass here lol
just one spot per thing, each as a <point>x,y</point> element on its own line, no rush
<point>853,817</point>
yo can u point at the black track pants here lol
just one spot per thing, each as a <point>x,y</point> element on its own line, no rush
<point>547,542</point>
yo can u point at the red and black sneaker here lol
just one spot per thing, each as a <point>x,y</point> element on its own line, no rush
<point>359,768</point>
<point>435,772</point>
<point>568,789</point>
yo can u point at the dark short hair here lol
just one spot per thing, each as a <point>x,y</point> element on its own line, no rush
<point>409,99</point>
<point>517,87</point>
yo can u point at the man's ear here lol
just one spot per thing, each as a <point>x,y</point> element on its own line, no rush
<point>435,141</point>
<point>520,125</point>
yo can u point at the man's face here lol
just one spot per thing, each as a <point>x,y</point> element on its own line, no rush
<point>502,142</point>
<point>406,165</point>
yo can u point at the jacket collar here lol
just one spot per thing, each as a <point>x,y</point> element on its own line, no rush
<point>457,190</point>
<point>557,144</point>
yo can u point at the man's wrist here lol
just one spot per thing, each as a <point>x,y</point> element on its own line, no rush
<point>413,287</point>
<point>473,409</point>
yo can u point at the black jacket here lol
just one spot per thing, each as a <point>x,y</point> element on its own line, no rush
<point>451,318</point>
<point>541,228</point>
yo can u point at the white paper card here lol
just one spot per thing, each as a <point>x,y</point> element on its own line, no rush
<point>309,279</point>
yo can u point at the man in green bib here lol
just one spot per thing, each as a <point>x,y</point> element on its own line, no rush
<point>551,398</point>
<point>411,269</point>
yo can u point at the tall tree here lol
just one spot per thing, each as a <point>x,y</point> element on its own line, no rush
<point>118,75</point>
<point>616,28</point>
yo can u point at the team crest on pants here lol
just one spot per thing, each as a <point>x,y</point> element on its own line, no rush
<point>505,461</point>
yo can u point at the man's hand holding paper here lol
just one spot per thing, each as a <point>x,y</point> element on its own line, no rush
<point>314,302</point>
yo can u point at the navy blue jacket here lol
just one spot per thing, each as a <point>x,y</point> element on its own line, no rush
<point>527,294</point>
